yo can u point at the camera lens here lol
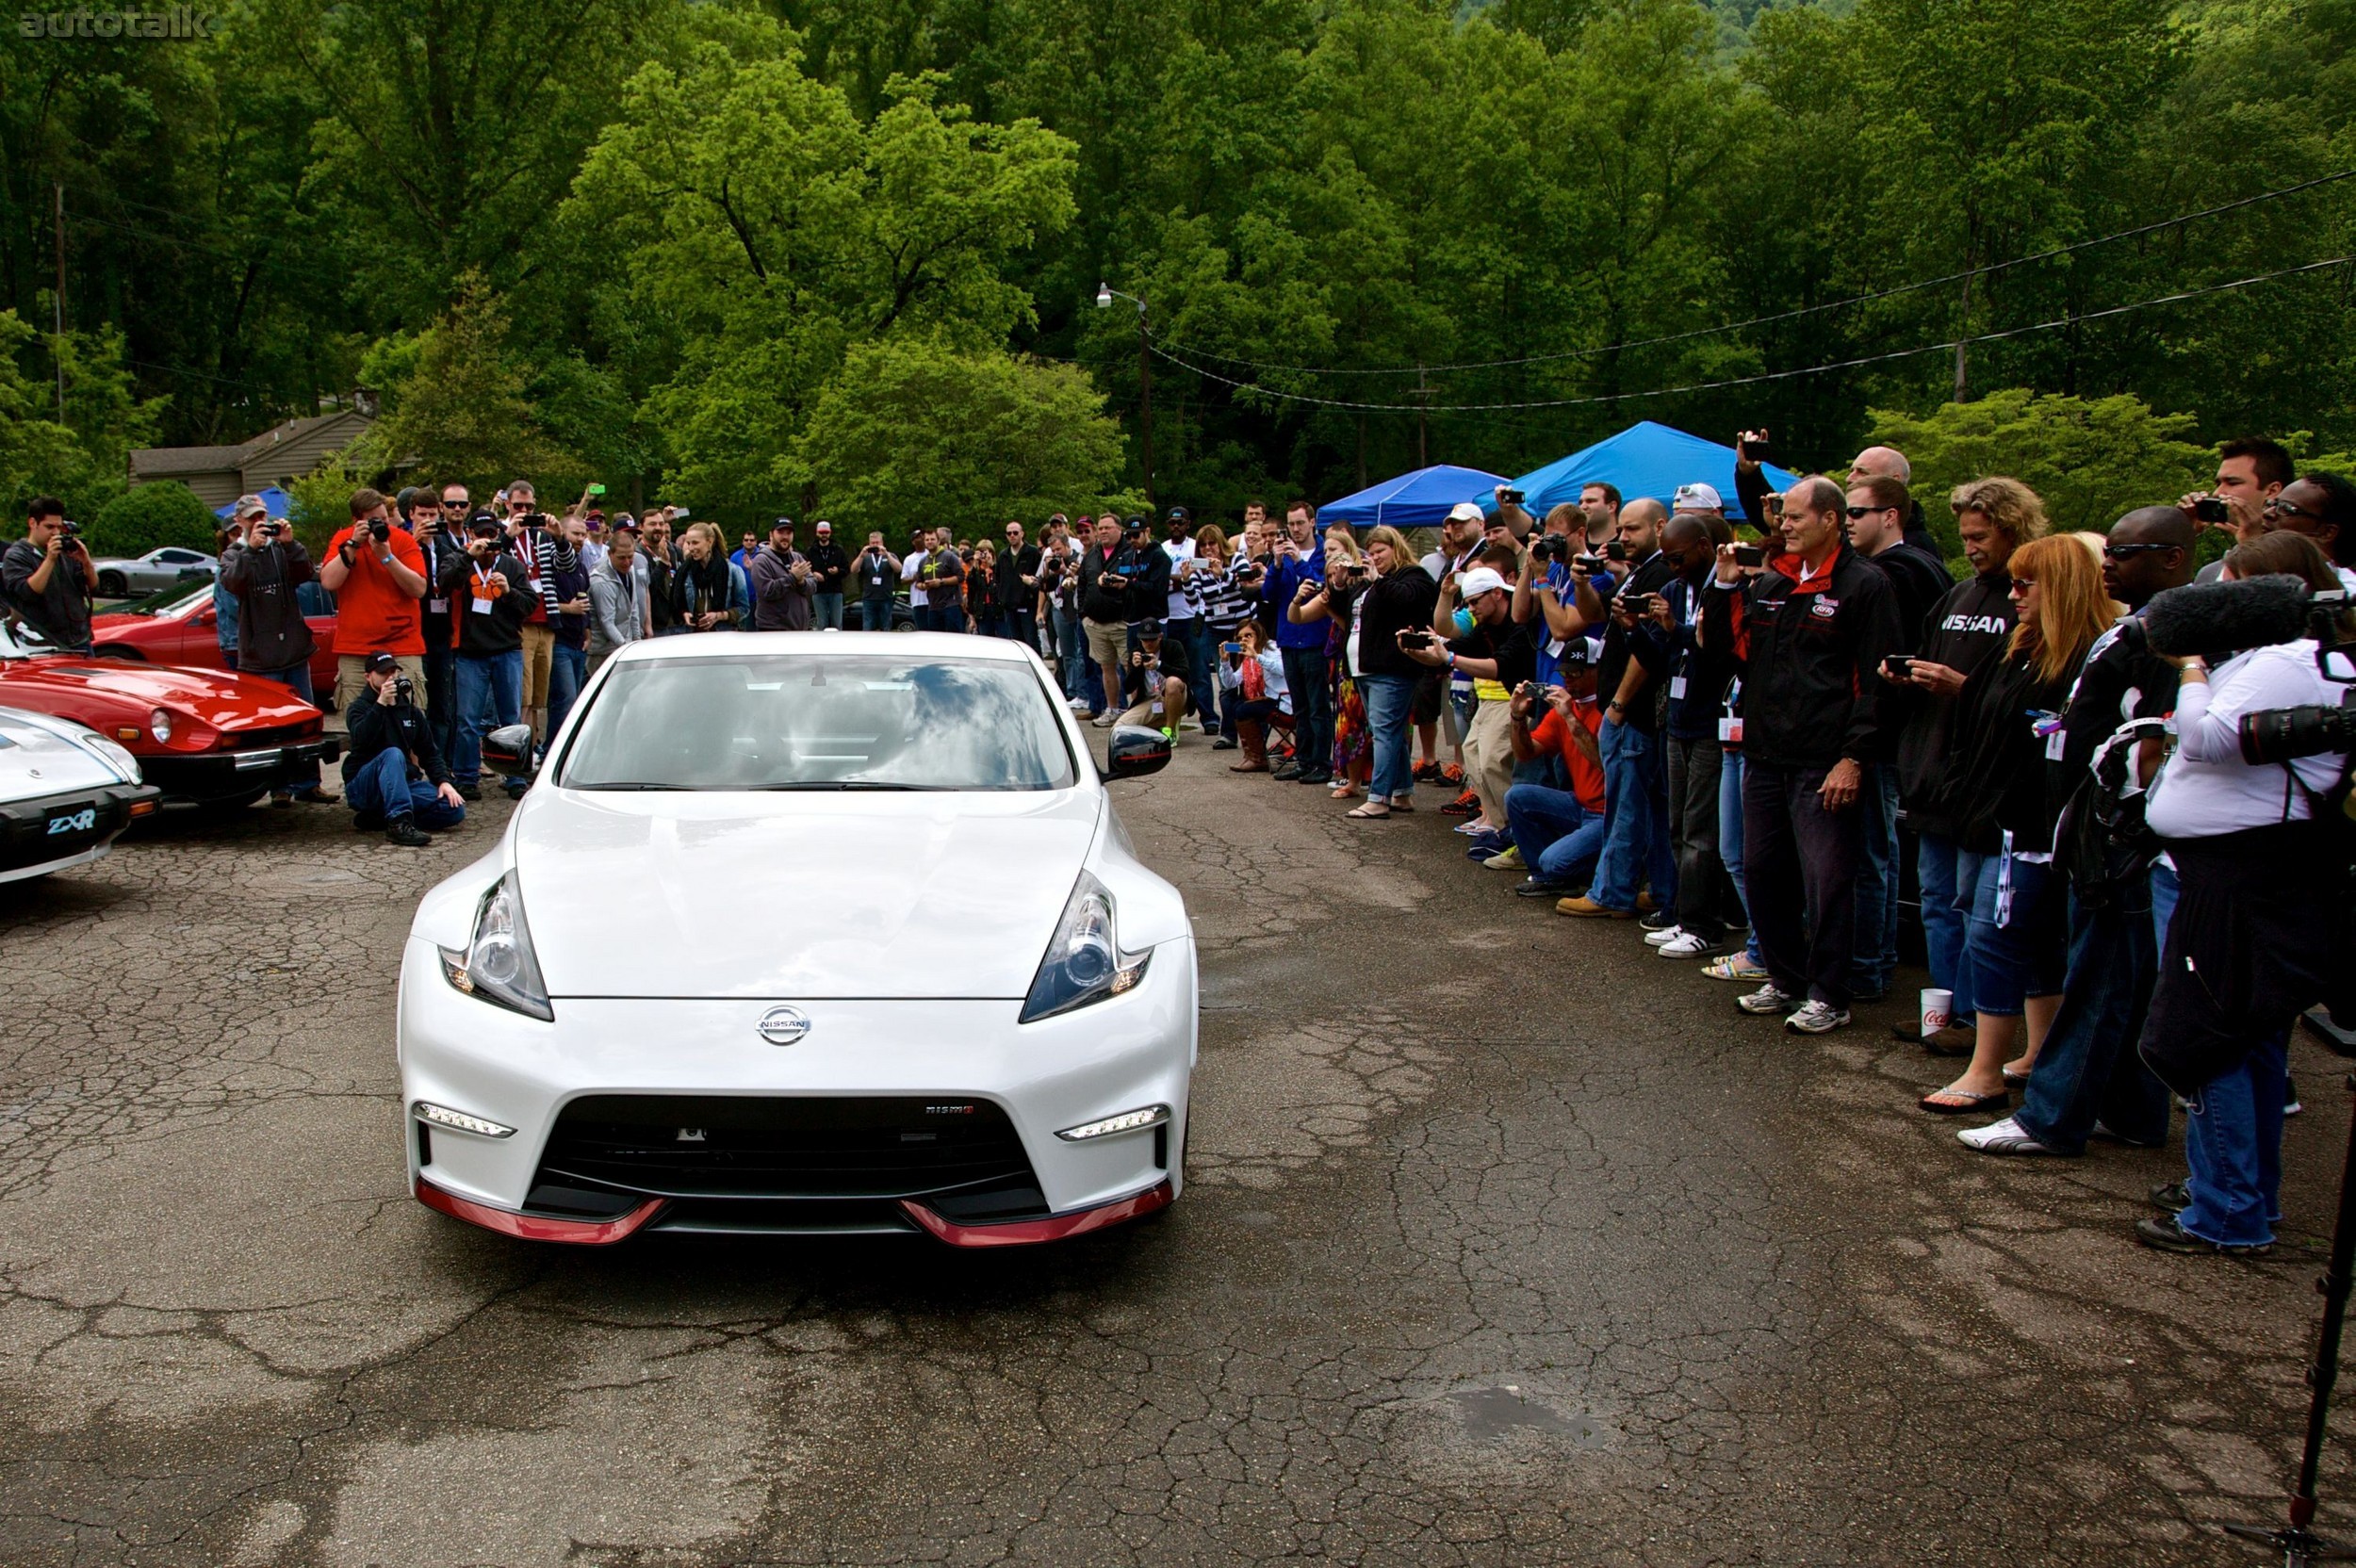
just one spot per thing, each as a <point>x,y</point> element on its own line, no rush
<point>2283,734</point>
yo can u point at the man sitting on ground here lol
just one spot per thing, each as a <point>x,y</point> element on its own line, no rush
<point>1558,833</point>
<point>393,777</point>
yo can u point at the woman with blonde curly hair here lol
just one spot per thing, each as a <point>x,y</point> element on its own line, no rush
<point>1995,795</point>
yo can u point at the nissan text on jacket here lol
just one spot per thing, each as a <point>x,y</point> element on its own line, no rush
<point>1969,625</point>
<point>1810,652</point>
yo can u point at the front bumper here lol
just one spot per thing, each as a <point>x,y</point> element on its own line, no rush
<point>701,1061</point>
<point>229,774</point>
<point>49,832</point>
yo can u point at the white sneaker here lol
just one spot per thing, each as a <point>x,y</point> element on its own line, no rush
<point>2002,1137</point>
<point>1079,705</point>
<point>1688,945</point>
<point>1665,935</point>
<point>1769,998</point>
<point>1817,1017</point>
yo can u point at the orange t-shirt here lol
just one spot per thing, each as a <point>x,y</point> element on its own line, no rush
<point>1586,772</point>
<point>373,613</point>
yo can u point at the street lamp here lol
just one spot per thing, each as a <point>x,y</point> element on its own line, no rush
<point>1106,294</point>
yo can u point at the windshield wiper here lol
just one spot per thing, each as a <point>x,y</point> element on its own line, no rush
<point>847,784</point>
<point>627,785</point>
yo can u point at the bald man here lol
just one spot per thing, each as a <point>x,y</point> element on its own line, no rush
<point>1889,463</point>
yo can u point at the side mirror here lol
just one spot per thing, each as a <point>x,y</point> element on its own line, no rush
<point>507,748</point>
<point>1133,752</point>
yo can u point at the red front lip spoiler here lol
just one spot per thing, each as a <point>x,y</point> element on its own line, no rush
<point>1027,1232</point>
<point>604,1233</point>
<point>533,1227</point>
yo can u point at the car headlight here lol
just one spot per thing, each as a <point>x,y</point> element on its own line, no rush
<point>1084,961</point>
<point>159,726</point>
<point>499,965</point>
<point>113,756</point>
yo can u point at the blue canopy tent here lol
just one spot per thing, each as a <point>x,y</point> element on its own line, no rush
<point>271,497</point>
<point>1417,499</point>
<point>1646,459</point>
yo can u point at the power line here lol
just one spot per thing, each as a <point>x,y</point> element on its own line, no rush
<point>2069,320</point>
<point>1781,315</point>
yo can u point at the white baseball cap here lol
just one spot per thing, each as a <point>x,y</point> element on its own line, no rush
<point>1465,511</point>
<point>1696,498</point>
<point>1479,580</point>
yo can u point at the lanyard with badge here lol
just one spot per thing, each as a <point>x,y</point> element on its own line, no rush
<point>489,583</point>
<point>1685,656</point>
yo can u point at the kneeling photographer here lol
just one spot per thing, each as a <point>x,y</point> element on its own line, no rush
<point>392,774</point>
<point>2250,809</point>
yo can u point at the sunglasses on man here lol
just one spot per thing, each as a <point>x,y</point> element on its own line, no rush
<point>2128,552</point>
<point>1857,512</point>
<point>2277,506</point>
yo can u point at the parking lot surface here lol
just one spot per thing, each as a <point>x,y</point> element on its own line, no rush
<point>1505,1242</point>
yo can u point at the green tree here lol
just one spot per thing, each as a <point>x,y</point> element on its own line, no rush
<point>2089,461</point>
<point>150,517</point>
<point>462,413</point>
<point>912,431</point>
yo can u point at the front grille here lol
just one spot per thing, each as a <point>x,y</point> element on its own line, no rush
<point>774,1165</point>
<point>273,735</point>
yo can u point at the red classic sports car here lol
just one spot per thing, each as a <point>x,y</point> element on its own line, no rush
<point>177,626</point>
<point>200,736</point>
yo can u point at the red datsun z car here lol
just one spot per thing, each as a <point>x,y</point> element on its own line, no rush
<point>206,736</point>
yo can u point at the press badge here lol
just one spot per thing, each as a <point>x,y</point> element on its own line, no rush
<point>1676,688</point>
<point>483,607</point>
<point>437,606</point>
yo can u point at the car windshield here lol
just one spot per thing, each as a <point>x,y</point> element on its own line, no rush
<point>164,600</point>
<point>813,722</point>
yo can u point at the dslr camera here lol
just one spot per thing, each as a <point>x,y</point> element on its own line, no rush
<point>2277,735</point>
<point>405,689</point>
<point>1550,546</point>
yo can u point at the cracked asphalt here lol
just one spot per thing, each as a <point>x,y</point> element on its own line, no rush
<point>1506,1242</point>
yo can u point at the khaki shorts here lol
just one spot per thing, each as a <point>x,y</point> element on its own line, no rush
<point>539,654</point>
<point>352,678</point>
<point>1108,642</point>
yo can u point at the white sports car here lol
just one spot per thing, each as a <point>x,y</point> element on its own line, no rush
<point>802,933</point>
<point>66,792</point>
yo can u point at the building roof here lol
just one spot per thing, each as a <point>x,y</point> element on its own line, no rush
<point>160,462</point>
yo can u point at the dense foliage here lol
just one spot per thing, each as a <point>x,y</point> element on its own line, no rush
<point>668,243</point>
<point>149,517</point>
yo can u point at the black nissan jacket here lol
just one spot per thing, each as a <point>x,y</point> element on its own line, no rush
<point>1810,651</point>
<point>1970,624</point>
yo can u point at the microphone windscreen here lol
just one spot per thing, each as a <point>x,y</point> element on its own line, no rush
<point>2226,617</point>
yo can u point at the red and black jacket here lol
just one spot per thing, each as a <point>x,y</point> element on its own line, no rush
<point>1810,650</point>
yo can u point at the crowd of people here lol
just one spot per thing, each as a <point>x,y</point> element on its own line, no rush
<point>1736,724</point>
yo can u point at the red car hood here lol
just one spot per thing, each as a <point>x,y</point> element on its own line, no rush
<point>216,697</point>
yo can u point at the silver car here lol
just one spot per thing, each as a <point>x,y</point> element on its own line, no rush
<point>65,791</point>
<point>158,568</point>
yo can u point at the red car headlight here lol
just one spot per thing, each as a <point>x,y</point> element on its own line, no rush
<point>159,726</point>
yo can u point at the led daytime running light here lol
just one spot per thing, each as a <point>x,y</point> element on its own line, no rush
<point>442,1116</point>
<point>1127,1122</point>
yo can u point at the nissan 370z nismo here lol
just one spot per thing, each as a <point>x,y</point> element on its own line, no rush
<point>803,933</point>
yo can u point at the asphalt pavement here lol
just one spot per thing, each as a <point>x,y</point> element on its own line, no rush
<point>1505,1242</point>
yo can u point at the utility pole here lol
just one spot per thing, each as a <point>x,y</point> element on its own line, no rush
<point>1106,294</point>
<point>57,189</point>
<point>1423,401</point>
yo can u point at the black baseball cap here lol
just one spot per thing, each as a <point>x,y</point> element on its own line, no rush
<point>1133,525</point>
<point>383,663</point>
<point>1178,514</point>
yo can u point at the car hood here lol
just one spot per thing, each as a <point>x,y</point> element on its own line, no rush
<point>36,760</point>
<point>217,697</point>
<point>797,896</point>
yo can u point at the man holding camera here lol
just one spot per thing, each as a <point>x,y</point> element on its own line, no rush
<point>1636,827</point>
<point>1558,833</point>
<point>48,578</point>
<point>2251,472</point>
<point>377,574</point>
<point>1296,576</point>
<point>543,551</point>
<point>1499,656</point>
<point>877,570</point>
<point>783,582</point>
<point>1809,629</point>
<point>490,596</point>
<point>263,568</point>
<point>392,774</point>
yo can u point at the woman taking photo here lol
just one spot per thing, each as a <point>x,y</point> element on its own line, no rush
<point>981,590</point>
<point>1996,794</point>
<point>1252,683</point>
<point>1223,605</point>
<point>1389,595</point>
<point>2261,926</point>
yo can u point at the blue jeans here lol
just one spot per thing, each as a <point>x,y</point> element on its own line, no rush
<point>1730,840</point>
<point>1313,709</point>
<point>2088,1067</point>
<point>1877,955</point>
<point>1071,658</point>
<point>2013,952</point>
<point>490,695</point>
<point>1389,700</point>
<point>1943,923</point>
<point>1558,836</point>
<point>826,611</point>
<point>568,668</point>
<point>875,614</point>
<point>1636,825</point>
<point>383,784</point>
<point>2234,1150</point>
